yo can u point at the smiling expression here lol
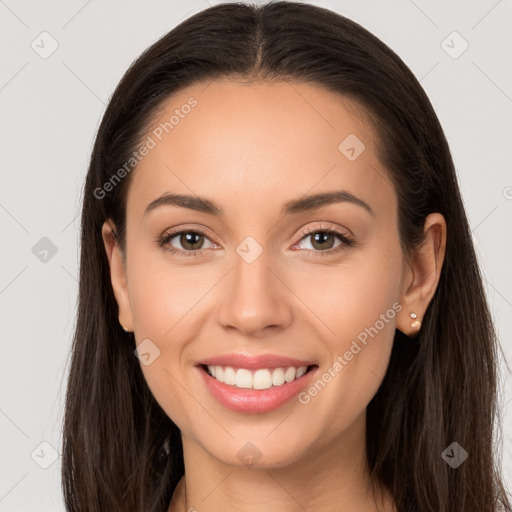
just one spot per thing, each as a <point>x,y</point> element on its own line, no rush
<point>227,252</point>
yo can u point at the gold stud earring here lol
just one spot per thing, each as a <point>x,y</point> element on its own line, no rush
<point>124,328</point>
<point>416,324</point>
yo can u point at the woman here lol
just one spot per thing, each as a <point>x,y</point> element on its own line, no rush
<point>280,303</point>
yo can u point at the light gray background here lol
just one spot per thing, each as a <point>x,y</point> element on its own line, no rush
<point>50,110</point>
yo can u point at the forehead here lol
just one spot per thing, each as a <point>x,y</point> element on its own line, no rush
<point>248,144</point>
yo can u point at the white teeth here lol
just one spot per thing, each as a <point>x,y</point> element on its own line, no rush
<point>278,377</point>
<point>289,375</point>
<point>229,376</point>
<point>262,379</point>
<point>301,371</point>
<point>259,379</point>
<point>243,378</point>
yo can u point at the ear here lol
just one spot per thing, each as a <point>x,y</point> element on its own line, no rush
<point>117,274</point>
<point>422,275</point>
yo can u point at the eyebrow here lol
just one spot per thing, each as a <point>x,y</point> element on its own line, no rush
<point>301,204</point>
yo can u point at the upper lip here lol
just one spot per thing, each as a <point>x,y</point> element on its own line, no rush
<point>252,362</point>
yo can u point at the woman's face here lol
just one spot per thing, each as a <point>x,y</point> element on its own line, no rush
<point>266,279</point>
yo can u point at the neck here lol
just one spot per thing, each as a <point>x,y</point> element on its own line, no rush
<point>332,477</point>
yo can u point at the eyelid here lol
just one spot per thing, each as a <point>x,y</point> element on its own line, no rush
<point>326,227</point>
<point>202,230</point>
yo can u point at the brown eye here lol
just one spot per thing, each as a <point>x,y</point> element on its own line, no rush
<point>322,240</point>
<point>191,240</point>
<point>186,242</point>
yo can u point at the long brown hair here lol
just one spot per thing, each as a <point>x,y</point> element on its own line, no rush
<point>121,452</point>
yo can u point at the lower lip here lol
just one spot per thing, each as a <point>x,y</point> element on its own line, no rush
<point>254,401</point>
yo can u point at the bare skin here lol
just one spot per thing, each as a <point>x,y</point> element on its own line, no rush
<point>251,148</point>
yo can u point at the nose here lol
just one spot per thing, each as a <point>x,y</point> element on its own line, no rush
<point>254,299</point>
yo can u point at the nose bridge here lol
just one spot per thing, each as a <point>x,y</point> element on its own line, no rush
<point>254,297</point>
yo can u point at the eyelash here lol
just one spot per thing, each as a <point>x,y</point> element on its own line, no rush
<point>346,240</point>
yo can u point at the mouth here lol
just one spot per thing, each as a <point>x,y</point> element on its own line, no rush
<point>258,390</point>
<point>262,378</point>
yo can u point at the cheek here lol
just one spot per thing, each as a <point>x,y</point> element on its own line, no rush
<point>166,307</point>
<point>351,297</point>
<point>358,304</point>
<point>163,295</point>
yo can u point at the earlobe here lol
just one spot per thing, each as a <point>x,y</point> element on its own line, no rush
<point>117,274</point>
<point>423,273</point>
